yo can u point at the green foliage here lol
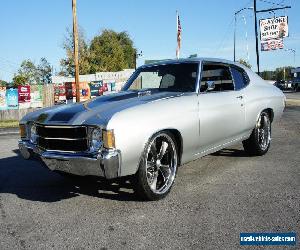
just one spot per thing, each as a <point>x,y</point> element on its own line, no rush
<point>29,73</point>
<point>267,75</point>
<point>44,71</point>
<point>20,80</point>
<point>67,63</point>
<point>3,83</point>
<point>109,51</point>
<point>245,63</point>
<point>281,73</point>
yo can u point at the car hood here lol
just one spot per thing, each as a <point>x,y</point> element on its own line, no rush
<point>97,111</point>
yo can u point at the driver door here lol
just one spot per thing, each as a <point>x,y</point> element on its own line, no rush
<point>221,108</point>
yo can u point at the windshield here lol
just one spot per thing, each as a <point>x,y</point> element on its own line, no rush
<point>180,77</point>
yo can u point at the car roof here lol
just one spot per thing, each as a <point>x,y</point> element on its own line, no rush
<point>194,59</point>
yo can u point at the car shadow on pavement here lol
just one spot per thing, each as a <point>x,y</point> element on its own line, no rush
<point>231,152</point>
<point>32,180</point>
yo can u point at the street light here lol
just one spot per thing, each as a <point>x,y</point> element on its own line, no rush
<point>237,12</point>
<point>293,51</point>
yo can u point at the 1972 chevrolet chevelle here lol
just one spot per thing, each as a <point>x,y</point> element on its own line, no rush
<point>167,114</point>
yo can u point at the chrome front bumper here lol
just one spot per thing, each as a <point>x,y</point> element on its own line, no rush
<point>105,164</point>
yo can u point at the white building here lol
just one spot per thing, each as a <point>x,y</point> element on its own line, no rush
<point>119,76</point>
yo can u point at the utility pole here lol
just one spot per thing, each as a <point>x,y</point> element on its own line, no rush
<point>75,39</point>
<point>256,36</point>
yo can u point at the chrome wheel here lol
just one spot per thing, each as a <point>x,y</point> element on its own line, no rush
<point>161,163</point>
<point>264,131</point>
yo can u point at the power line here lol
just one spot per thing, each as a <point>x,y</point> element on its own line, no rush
<point>278,4</point>
<point>224,36</point>
<point>227,33</point>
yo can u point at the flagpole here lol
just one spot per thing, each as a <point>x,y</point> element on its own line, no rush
<point>177,48</point>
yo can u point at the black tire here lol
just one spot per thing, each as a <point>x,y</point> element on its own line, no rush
<point>260,139</point>
<point>155,167</point>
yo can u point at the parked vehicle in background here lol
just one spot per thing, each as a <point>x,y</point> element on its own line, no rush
<point>288,84</point>
<point>167,114</point>
<point>280,84</point>
<point>296,79</point>
<point>296,85</point>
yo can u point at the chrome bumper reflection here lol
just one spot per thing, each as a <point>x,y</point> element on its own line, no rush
<point>105,164</point>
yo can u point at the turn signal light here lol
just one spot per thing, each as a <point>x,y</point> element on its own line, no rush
<point>22,130</point>
<point>108,139</point>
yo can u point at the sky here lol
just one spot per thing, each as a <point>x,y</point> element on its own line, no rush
<point>33,29</point>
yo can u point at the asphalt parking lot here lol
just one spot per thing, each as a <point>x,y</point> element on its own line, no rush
<point>213,200</point>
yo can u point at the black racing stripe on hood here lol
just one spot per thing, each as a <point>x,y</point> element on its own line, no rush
<point>67,115</point>
<point>111,98</point>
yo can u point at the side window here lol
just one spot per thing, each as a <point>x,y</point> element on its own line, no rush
<point>167,81</point>
<point>146,80</point>
<point>240,78</point>
<point>219,74</point>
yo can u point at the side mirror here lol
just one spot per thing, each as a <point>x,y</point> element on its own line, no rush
<point>210,85</point>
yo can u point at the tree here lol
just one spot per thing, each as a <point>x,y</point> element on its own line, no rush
<point>128,49</point>
<point>267,75</point>
<point>29,73</point>
<point>108,51</point>
<point>67,63</point>
<point>283,73</point>
<point>3,83</point>
<point>20,80</point>
<point>44,71</point>
<point>245,63</point>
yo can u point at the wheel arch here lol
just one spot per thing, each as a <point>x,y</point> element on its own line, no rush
<point>269,111</point>
<point>178,140</point>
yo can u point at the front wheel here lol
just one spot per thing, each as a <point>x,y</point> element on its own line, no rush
<point>157,168</point>
<point>260,139</point>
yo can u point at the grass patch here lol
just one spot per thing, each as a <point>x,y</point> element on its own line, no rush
<point>9,124</point>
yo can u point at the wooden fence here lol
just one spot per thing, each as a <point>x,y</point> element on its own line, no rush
<point>17,114</point>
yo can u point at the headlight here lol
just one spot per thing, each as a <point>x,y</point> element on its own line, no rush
<point>96,139</point>
<point>33,134</point>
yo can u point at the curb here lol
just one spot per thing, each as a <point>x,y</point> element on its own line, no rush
<point>292,102</point>
<point>9,131</point>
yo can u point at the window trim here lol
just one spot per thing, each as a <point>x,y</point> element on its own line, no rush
<point>214,63</point>
<point>244,73</point>
<point>198,63</point>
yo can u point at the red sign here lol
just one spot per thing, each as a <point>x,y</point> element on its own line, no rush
<point>59,93</point>
<point>24,94</point>
<point>272,44</point>
<point>84,91</point>
<point>70,90</point>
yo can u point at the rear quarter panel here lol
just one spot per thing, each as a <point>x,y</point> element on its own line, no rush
<point>260,95</point>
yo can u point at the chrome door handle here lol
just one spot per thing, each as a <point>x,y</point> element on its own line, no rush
<point>240,97</point>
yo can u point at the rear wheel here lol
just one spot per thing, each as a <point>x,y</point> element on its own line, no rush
<point>260,139</point>
<point>158,167</point>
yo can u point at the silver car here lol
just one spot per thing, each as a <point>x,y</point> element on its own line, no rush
<point>167,114</point>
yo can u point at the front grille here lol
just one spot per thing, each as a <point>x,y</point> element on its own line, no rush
<point>62,138</point>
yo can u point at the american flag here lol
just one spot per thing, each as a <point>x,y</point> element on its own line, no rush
<point>178,36</point>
